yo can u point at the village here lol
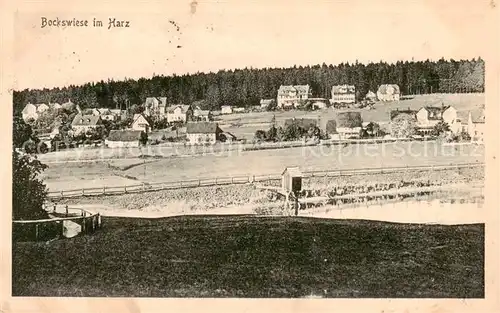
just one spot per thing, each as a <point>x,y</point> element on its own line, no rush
<point>286,118</point>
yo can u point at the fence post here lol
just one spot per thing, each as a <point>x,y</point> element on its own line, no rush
<point>232,180</point>
<point>83,225</point>
<point>104,190</point>
<point>83,191</point>
<point>124,189</point>
<point>253,179</point>
<point>62,194</point>
<point>36,231</point>
<point>216,181</point>
<point>66,210</point>
<point>199,182</point>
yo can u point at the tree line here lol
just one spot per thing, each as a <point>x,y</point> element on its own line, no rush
<point>245,87</point>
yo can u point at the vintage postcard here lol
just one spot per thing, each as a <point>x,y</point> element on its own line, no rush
<point>334,153</point>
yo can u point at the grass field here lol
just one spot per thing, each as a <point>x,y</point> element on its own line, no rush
<point>233,163</point>
<point>241,256</point>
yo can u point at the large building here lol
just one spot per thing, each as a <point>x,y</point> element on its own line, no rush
<point>33,110</point>
<point>429,116</point>
<point>476,126</point>
<point>388,92</point>
<point>291,96</point>
<point>179,113</point>
<point>123,138</point>
<point>349,125</point>
<point>155,106</point>
<point>141,123</point>
<point>83,123</point>
<point>202,133</point>
<point>343,94</point>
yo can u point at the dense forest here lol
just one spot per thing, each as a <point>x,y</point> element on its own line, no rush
<point>245,87</point>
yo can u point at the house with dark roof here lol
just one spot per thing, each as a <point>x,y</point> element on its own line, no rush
<point>83,123</point>
<point>290,96</point>
<point>179,113</point>
<point>395,113</point>
<point>343,94</point>
<point>349,124</point>
<point>202,133</point>
<point>123,138</point>
<point>388,92</point>
<point>202,115</point>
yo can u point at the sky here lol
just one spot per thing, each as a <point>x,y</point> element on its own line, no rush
<point>236,34</point>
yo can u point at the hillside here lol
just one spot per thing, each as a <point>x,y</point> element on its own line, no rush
<point>242,256</point>
<point>245,87</point>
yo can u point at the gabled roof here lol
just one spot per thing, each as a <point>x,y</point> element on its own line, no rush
<point>138,116</point>
<point>435,113</point>
<point>184,108</point>
<point>162,101</point>
<point>302,88</point>
<point>124,135</point>
<point>396,112</point>
<point>296,88</point>
<point>370,94</point>
<point>86,120</point>
<point>383,88</point>
<point>202,128</point>
<point>477,116</point>
<point>202,112</point>
<point>294,171</point>
<point>344,89</point>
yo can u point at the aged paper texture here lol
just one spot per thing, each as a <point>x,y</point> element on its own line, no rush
<point>260,155</point>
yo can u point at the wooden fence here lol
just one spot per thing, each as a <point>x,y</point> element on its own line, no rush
<point>51,228</point>
<point>218,181</point>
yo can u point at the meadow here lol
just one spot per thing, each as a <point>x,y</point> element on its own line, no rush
<point>74,175</point>
<point>241,256</point>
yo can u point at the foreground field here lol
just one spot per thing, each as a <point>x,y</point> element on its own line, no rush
<point>242,256</point>
<point>73,175</point>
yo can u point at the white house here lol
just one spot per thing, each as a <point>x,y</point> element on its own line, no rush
<point>33,110</point>
<point>83,123</point>
<point>349,125</point>
<point>428,117</point>
<point>388,92</point>
<point>239,110</point>
<point>201,133</point>
<point>290,96</point>
<point>30,112</point>
<point>265,103</point>
<point>344,94</point>
<point>140,123</point>
<point>155,106</point>
<point>123,138</point>
<point>179,113</point>
<point>476,126</point>
<point>226,109</point>
<point>371,96</point>
<point>202,115</point>
<point>54,105</point>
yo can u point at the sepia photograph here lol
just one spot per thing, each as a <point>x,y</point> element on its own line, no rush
<point>245,149</point>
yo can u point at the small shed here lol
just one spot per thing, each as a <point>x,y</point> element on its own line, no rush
<point>291,179</point>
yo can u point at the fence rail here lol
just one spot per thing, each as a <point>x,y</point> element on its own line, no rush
<point>51,228</point>
<point>217,181</point>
